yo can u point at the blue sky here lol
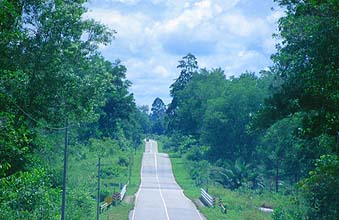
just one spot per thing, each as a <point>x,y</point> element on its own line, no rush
<point>152,35</point>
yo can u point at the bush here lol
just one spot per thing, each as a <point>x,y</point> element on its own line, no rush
<point>199,171</point>
<point>29,195</point>
<point>321,189</point>
<point>289,212</point>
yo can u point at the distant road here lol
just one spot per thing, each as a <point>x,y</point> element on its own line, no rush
<point>159,196</point>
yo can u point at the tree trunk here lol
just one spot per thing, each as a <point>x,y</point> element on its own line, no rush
<point>277,178</point>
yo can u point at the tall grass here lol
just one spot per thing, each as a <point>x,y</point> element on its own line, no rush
<point>241,204</point>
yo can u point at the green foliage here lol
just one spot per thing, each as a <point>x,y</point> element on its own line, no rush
<point>209,105</point>
<point>181,144</point>
<point>56,61</point>
<point>307,63</point>
<point>235,175</point>
<point>228,116</point>
<point>192,101</point>
<point>281,151</point>
<point>16,145</point>
<point>270,130</point>
<point>306,84</point>
<point>157,116</point>
<point>321,189</point>
<point>188,66</point>
<point>199,171</point>
<point>217,112</point>
<point>241,204</point>
<point>117,98</point>
<point>29,195</point>
<point>50,70</point>
<point>80,204</point>
<point>196,153</point>
<point>116,157</point>
<point>292,214</point>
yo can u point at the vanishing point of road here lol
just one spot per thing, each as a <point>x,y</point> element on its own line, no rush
<point>159,196</point>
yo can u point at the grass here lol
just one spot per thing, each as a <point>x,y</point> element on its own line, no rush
<point>122,210</point>
<point>241,205</point>
<point>160,147</point>
<point>135,177</point>
<point>82,178</point>
<point>119,212</point>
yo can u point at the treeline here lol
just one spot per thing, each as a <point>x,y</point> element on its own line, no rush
<point>52,76</point>
<point>272,130</point>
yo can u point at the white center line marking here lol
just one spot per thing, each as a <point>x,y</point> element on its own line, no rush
<point>162,197</point>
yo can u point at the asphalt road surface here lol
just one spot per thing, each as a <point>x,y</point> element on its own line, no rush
<point>159,196</point>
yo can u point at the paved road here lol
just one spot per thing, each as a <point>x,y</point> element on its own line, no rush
<point>159,196</point>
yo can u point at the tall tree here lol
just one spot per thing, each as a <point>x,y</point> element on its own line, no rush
<point>56,62</point>
<point>228,116</point>
<point>192,101</point>
<point>157,116</point>
<point>143,118</point>
<point>117,98</point>
<point>50,69</point>
<point>188,66</point>
<point>280,151</point>
<point>306,67</point>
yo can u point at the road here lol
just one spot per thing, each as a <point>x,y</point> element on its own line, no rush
<point>159,196</point>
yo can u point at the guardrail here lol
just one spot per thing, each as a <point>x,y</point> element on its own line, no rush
<point>115,197</point>
<point>206,198</point>
<point>265,208</point>
<point>123,191</point>
<point>222,206</point>
<point>104,206</point>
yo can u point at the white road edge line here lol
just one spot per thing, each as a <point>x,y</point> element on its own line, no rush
<point>183,194</point>
<point>162,198</point>
<point>195,208</point>
<point>137,195</point>
<point>156,174</point>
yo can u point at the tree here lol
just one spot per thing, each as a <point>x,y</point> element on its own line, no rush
<point>321,189</point>
<point>158,109</point>
<point>235,174</point>
<point>119,103</point>
<point>228,117</point>
<point>307,66</point>
<point>157,116</point>
<point>50,70</point>
<point>188,66</point>
<point>192,101</point>
<point>142,118</point>
<point>281,151</point>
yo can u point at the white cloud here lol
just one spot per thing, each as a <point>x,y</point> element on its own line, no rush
<point>154,34</point>
<point>127,25</point>
<point>161,70</point>
<point>189,18</point>
<point>130,2</point>
<point>274,17</point>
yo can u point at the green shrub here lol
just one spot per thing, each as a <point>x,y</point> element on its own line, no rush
<point>29,195</point>
<point>321,189</point>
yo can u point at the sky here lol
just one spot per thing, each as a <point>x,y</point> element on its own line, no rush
<point>153,35</point>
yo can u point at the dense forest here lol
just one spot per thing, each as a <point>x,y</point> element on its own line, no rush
<point>53,80</point>
<point>276,130</point>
